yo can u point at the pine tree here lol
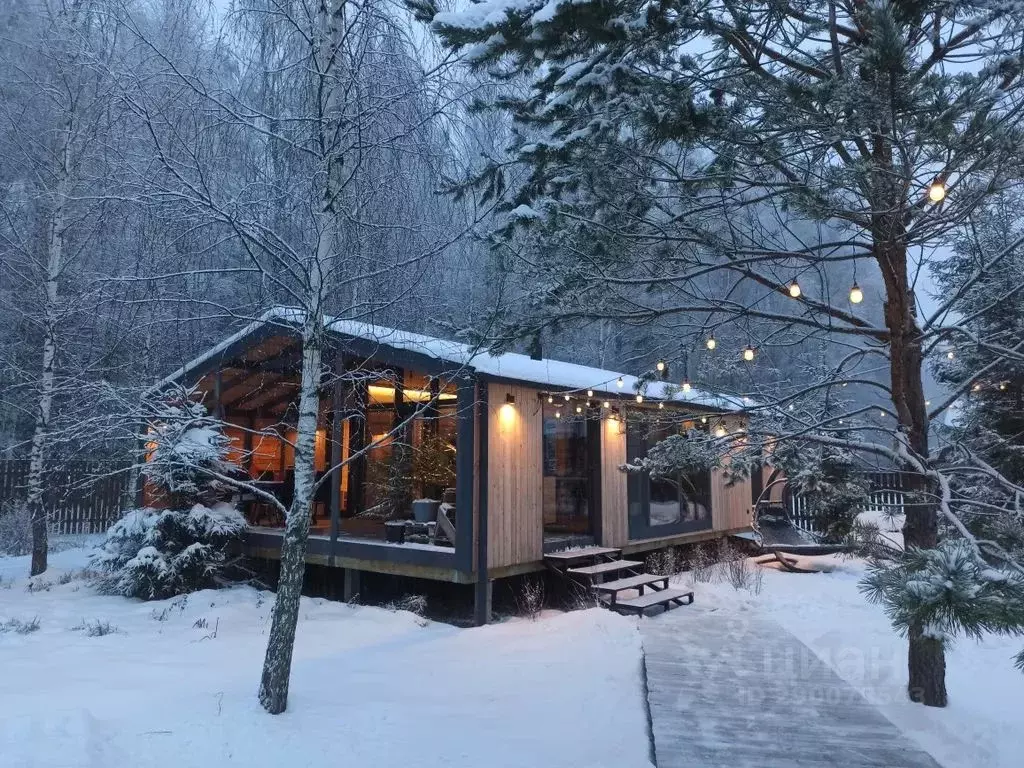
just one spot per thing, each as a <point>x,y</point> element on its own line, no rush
<point>729,153</point>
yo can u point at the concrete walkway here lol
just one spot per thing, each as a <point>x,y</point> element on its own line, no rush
<point>742,691</point>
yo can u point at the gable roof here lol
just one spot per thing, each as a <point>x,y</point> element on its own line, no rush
<point>545,373</point>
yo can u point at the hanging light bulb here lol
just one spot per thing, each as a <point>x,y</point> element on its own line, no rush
<point>950,355</point>
<point>579,409</point>
<point>620,383</point>
<point>856,294</point>
<point>686,385</point>
<point>711,343</point>
<point>840,421</point>
<point>720,430</point>
<point>661,366</point>
<point>748,353</point>
<point>1002,386</point>
<point>590,393</point>
<point>937,191</point>
<point>567,397</point>
<point>703,419</point>
<point>794,289</point>
<point>976,388</point>
<point>551,399</point>
<point>639,398</point>
<point>606,404</point>
<point>558,414</point>
<point>661,405</point>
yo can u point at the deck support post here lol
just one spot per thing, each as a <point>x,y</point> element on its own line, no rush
<point>337,404</point>
<point>482,601</point>
<point>352,584</point>
<point>465,458</point>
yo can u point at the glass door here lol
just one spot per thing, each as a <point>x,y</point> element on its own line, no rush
<point>567,496</point>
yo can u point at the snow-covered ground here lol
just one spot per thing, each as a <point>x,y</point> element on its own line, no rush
<point>371,687</point>
<point>981,727</point>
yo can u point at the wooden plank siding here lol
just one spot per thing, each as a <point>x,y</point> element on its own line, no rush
<point>515,475</point>
<point>730,504</point>
<point>614,501</point>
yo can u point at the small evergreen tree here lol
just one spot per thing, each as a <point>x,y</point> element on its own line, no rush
<point>153,553</point>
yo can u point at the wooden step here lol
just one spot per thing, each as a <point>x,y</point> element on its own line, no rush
<point>632,582</point>
<point>602,568</point>
<point>666,598</point>
<point>583,553</point>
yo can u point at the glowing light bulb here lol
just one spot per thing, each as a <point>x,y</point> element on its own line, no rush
<point>937,192</point>
<point>703,419</point>
<point>711,343</point>
<point>579,409</point>
<point>1002,386</point>
<point>606,404</point>
<point>720,431</point>
<point>686,385</point>
<point>976,388</point>
<point>794,289</point>
<point>661,405</point>
<point>590,393</point>
<point>567,398</point>
<point>661,366</point>
<point>620,383</point>
<point>950,355</point>
<point>856,294</point>
<point>748,354</point>
<point>639,398</point>
<point>558,414</point>
<point>551,399</point>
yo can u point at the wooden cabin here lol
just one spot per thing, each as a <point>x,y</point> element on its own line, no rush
<point>527,453</point>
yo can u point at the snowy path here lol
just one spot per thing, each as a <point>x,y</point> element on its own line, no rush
<point>740,690</point>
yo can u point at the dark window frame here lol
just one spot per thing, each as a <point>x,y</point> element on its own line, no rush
<point>638,494</point>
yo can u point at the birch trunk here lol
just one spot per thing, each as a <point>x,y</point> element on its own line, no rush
<point>54,267</point>
<point>278,661</point>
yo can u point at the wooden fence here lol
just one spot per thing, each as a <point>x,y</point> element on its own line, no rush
<point>885,498</point>
<point>79,496</point>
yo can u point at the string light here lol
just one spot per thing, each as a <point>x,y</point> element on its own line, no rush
<point>661,366</point>
<point>794,289</point>
<point>1002,386</point>
<point>976,387</point>
<point>937,191</point>
<point>590,393</point>
<point>856,294</point>
<point>558,414</point>
<point>639,398</point>
<point>686,385</point>
<point>620,383</point>
<point>711,343</point>
<point>748,353</point>
<point>703,419</point>
<point>567,397</point>
<point>606,404</point>
<point>579,409</point>
<point>720,431</point>
<point>661,405</point>
<point>927,402</point>
<point>551,399</point>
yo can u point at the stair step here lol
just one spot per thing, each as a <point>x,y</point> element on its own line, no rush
<point>666,598</point>
<point>600,568</point>
<point>572,555</point>
<point>631,582</point>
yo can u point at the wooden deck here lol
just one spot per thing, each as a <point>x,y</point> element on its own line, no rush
<point>743,692</point>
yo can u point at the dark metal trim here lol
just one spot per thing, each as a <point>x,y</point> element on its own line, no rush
<point>482,597</point>
<point>465,456</point>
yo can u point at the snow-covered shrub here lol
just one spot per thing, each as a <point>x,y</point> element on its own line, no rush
<point>829,483</point>
<point>948,591</point>
<point>15,529</point>
<point>154,554</point>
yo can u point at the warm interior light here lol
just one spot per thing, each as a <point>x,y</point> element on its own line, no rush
<point>748,354</point>
<point>794,289</point>
<point>711,343</point>
<point>856,294</point>
<point>937,192</point>
<point>383,394</point>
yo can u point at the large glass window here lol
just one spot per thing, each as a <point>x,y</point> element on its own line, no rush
<point>567,497</point>
<point>667,503</point>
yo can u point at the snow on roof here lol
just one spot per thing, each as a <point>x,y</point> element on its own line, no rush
<point>556,374</point>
